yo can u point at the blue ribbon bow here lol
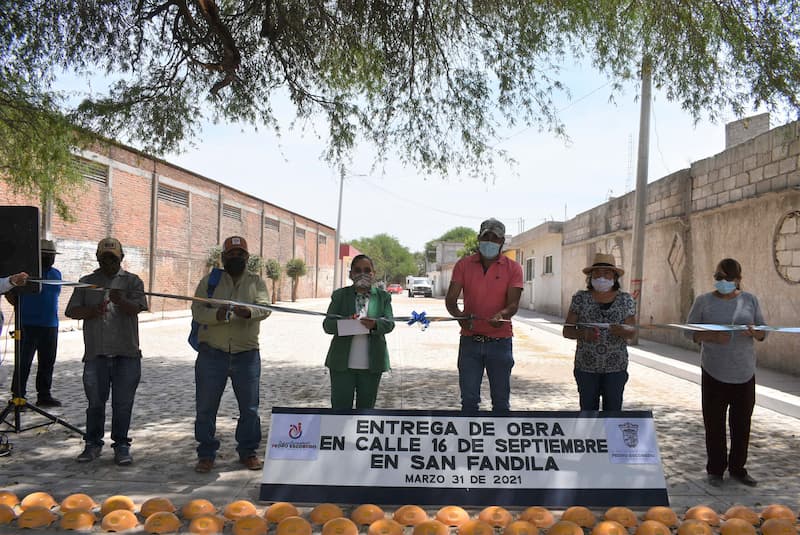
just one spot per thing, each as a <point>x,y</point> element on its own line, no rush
<point>419,318</point>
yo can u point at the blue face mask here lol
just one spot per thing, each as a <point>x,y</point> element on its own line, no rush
<point>725,287</point>
<point>489,249</point>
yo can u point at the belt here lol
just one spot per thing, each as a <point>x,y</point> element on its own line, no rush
<point>483,339</point>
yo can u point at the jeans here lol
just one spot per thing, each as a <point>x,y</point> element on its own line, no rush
<point>120,376</point>
<point>211,372</point>
<point>43,340</point>
<point>591,386</point>
<point>737,400</point>
<point>494,356</point>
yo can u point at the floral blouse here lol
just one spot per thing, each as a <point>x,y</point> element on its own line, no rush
<point>608,353</point>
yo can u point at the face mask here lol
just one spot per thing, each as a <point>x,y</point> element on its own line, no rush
<point>109,264</point>
<point>602,285</point>
<point>725,287</point>
<point>235,265</point>
<point>489,249</point>
<point>362,280</point>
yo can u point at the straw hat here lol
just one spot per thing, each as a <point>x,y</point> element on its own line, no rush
<point>603,260</point>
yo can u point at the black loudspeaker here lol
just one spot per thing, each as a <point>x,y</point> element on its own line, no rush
<point>19,243</point>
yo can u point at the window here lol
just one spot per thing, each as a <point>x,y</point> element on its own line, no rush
<point>530,269</point>
<point>91,170</point>
<point>548,264</point>
<point>175,195</point>
<point>271,224</point>
<point>234,212</point>
<point>323,239</point>
<point>300,232</point>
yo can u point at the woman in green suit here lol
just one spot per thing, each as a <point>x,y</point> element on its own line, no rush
<point>357,362</point>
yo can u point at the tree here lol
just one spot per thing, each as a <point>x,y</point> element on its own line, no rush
<point>295,268</point>
<point>470,246</point>
<point>273,268</point>
<point>392,261</point>
<point>455,234</point>
<point>430,81</point>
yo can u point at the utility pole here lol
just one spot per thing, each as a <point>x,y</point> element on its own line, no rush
<point>336,259</point>
<point>640,209</point>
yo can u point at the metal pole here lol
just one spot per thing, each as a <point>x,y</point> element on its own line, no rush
<point>639,219</point>
<point>336,262</point>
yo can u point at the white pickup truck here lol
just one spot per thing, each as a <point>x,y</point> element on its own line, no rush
<point>419,286</point>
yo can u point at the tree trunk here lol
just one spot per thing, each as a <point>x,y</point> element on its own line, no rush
<point>294,289</point>
<point>273,291</point>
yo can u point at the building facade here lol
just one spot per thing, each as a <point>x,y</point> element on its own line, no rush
<point>538,250</point>
<point>742,203</point>
<point>170,219</point>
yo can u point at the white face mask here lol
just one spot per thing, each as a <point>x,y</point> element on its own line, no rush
<point>362,280</point>
<point>602,285</point>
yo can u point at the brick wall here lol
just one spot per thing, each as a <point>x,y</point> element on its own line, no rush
<point>184,232</point>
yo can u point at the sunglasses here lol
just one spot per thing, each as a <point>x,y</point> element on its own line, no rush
<point>359,271</point>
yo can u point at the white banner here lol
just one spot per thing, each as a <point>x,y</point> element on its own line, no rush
<point>439,456</point>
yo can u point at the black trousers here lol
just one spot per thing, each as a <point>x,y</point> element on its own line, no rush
<point>737,400</point>
<point>43,340</point>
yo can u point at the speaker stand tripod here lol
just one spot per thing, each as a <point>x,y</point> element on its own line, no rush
<point>17,405</point>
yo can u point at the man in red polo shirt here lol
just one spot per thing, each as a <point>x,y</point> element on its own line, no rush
<point>492,285</point>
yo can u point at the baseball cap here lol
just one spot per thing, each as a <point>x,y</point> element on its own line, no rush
<point>47,246</point>
<point>494,226</point>
<point>109,245</point>
<point>234,242</point>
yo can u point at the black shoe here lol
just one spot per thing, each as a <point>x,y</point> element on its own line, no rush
<point>745,479</point>
<point>48,401</point>
<point>89,454</point>
<point>715,480</point>
<point>122,456</point>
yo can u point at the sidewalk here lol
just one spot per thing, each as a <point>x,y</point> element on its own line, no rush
<point>775,390</point>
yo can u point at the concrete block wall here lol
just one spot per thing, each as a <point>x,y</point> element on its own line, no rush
<point>743,203</point>
<point>767,163</point>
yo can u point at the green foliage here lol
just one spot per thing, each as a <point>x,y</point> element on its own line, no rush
<point>255,264</point>
<point>456,234</point>
<point>393,262</point>
<point>432,82</point>
<point>36,144</point>
<point>295,268</point>
<point>470,246</point>
<point>273,269</point>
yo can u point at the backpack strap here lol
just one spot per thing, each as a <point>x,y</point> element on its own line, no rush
<point>213,281</point>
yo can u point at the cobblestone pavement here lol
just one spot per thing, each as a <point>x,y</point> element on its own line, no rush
<point>424,376</point>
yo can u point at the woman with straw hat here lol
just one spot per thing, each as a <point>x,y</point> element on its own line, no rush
<point>600,319</point>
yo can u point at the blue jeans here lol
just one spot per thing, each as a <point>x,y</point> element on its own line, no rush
<point>211,372</point>
<point>116,375</point>
<point>497,359</point>
<point>41,340</point>
<point>591,386</point>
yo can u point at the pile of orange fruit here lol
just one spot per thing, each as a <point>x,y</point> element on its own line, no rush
<point>159,515</point>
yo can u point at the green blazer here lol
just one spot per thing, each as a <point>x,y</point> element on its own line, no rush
<point>343,303</point>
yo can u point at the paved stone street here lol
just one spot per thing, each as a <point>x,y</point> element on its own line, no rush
<point>424,376</point>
